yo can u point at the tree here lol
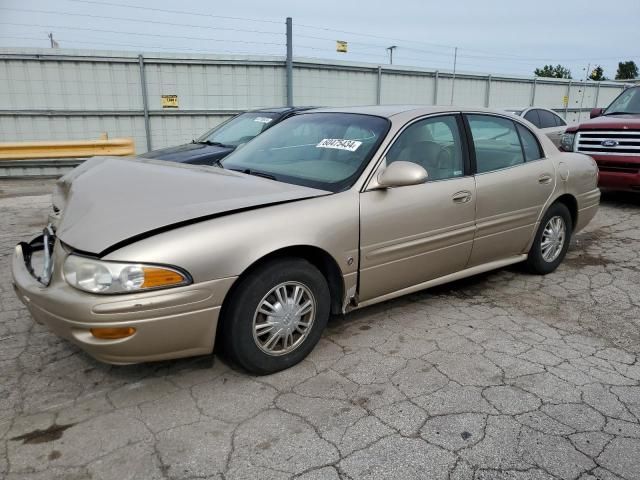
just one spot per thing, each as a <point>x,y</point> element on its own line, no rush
<point>597,74</point>
<point>627,70</point>
<point>553,72</point>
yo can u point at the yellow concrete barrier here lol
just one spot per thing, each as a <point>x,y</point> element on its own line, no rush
<point>70,149</point>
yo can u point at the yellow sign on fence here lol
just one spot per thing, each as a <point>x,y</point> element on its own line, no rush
<point>565,100</point>
<point>169,101</point>
<point>341,46</point>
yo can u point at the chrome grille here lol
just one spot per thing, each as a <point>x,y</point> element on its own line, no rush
<point>618,142</point>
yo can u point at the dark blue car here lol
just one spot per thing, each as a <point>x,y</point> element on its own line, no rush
<point>219,142</point>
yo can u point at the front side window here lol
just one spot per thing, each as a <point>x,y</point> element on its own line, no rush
<point>320,150</point>
<point>496,143</point>
<point>240,129</point>
<point>532,116</point>
<point>433,143</point>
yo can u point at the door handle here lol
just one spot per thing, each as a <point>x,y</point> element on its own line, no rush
<point>545,179</point>
<point>461,197</point>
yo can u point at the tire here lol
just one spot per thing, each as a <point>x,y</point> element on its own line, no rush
<point>542,261</point>
<point>300,279</point>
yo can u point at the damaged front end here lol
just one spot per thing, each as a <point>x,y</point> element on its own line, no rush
<point>37,255</point>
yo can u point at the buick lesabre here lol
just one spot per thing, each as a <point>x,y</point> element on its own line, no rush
<point>329,211</point>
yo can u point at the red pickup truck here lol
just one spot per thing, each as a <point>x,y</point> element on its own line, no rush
<point>612,139</point>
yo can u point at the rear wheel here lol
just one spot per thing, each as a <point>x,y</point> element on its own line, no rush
<point>276,315</point>
<point>551,241</point>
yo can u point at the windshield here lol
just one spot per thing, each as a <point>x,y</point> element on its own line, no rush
<point>320,150</point>
<point>240,129</point>
<point>627,102</point>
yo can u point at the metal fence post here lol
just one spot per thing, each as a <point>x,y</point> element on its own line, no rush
<point>379,85</point>
<point>289,62</point>
<point>595,103</point>
<point>487,93</point>
<point>145,102</point>
<point>532,102</point>
<point>435,87</point>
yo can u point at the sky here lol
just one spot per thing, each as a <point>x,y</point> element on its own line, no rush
<point>492,36</point>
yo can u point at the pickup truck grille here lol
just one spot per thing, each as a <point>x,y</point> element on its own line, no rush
<point>608,142</point>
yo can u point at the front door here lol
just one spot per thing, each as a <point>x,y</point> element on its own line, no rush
<point>417,233</point>
<point>513,183</point>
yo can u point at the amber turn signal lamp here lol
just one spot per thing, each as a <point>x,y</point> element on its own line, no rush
<point>113,333</point>
<point>160,277</point>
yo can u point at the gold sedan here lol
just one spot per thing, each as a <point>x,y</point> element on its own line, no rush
<point>328,211</point>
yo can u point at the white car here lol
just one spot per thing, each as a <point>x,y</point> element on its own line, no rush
<point>551,124</point>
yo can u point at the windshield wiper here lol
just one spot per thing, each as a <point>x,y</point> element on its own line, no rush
<point>248,171</point>
<point>622,113</point>
<point>215,144</point>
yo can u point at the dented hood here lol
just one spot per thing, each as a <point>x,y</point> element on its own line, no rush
<point>110,200</point>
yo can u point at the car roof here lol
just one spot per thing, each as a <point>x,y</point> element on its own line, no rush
<point>389,111</point>
<point>524,109</point>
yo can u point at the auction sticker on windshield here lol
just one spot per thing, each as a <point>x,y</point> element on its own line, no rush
<point>262,119</point>
<point>337,143</point>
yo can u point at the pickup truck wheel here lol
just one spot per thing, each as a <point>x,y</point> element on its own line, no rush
<point>551,241</point>
<point>276,315</point>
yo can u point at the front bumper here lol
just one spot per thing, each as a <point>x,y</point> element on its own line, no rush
<point>618,172</point>
<point>172,323</point>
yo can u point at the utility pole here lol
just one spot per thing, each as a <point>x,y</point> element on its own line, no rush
<point>54,44</point>
<point>391,49</point>
<point>289,62</point>
<point>453,80</point>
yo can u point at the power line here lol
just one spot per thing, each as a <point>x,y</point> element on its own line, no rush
<point>373,45</point>
<point>371,36</point>
<point>156,22</point>
<point>494,54</point>
<point>152,47</point>
<point>181,12</point>
<point>209,39</point>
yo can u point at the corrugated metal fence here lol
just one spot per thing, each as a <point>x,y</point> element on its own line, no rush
<point>71,94</point>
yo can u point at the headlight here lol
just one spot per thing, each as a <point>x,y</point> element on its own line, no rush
<point>566,143</point>
<point>97,276</point>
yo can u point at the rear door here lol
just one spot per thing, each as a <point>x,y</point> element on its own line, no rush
<point>412,234</point>
<point>513,183</point>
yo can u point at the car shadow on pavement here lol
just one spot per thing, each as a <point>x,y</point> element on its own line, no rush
<point>621,198</point>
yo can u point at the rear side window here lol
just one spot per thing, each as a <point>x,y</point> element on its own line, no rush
<point>532,116</point>
<point>496,143</point>
<point>547,119</point>
<point>530,145</point>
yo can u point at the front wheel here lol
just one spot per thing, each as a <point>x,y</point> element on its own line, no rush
<point>276,315</point>
<point>551,242</point>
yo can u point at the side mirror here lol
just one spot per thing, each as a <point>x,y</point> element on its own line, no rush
<point>596,112</point>
<point>401,174</point>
